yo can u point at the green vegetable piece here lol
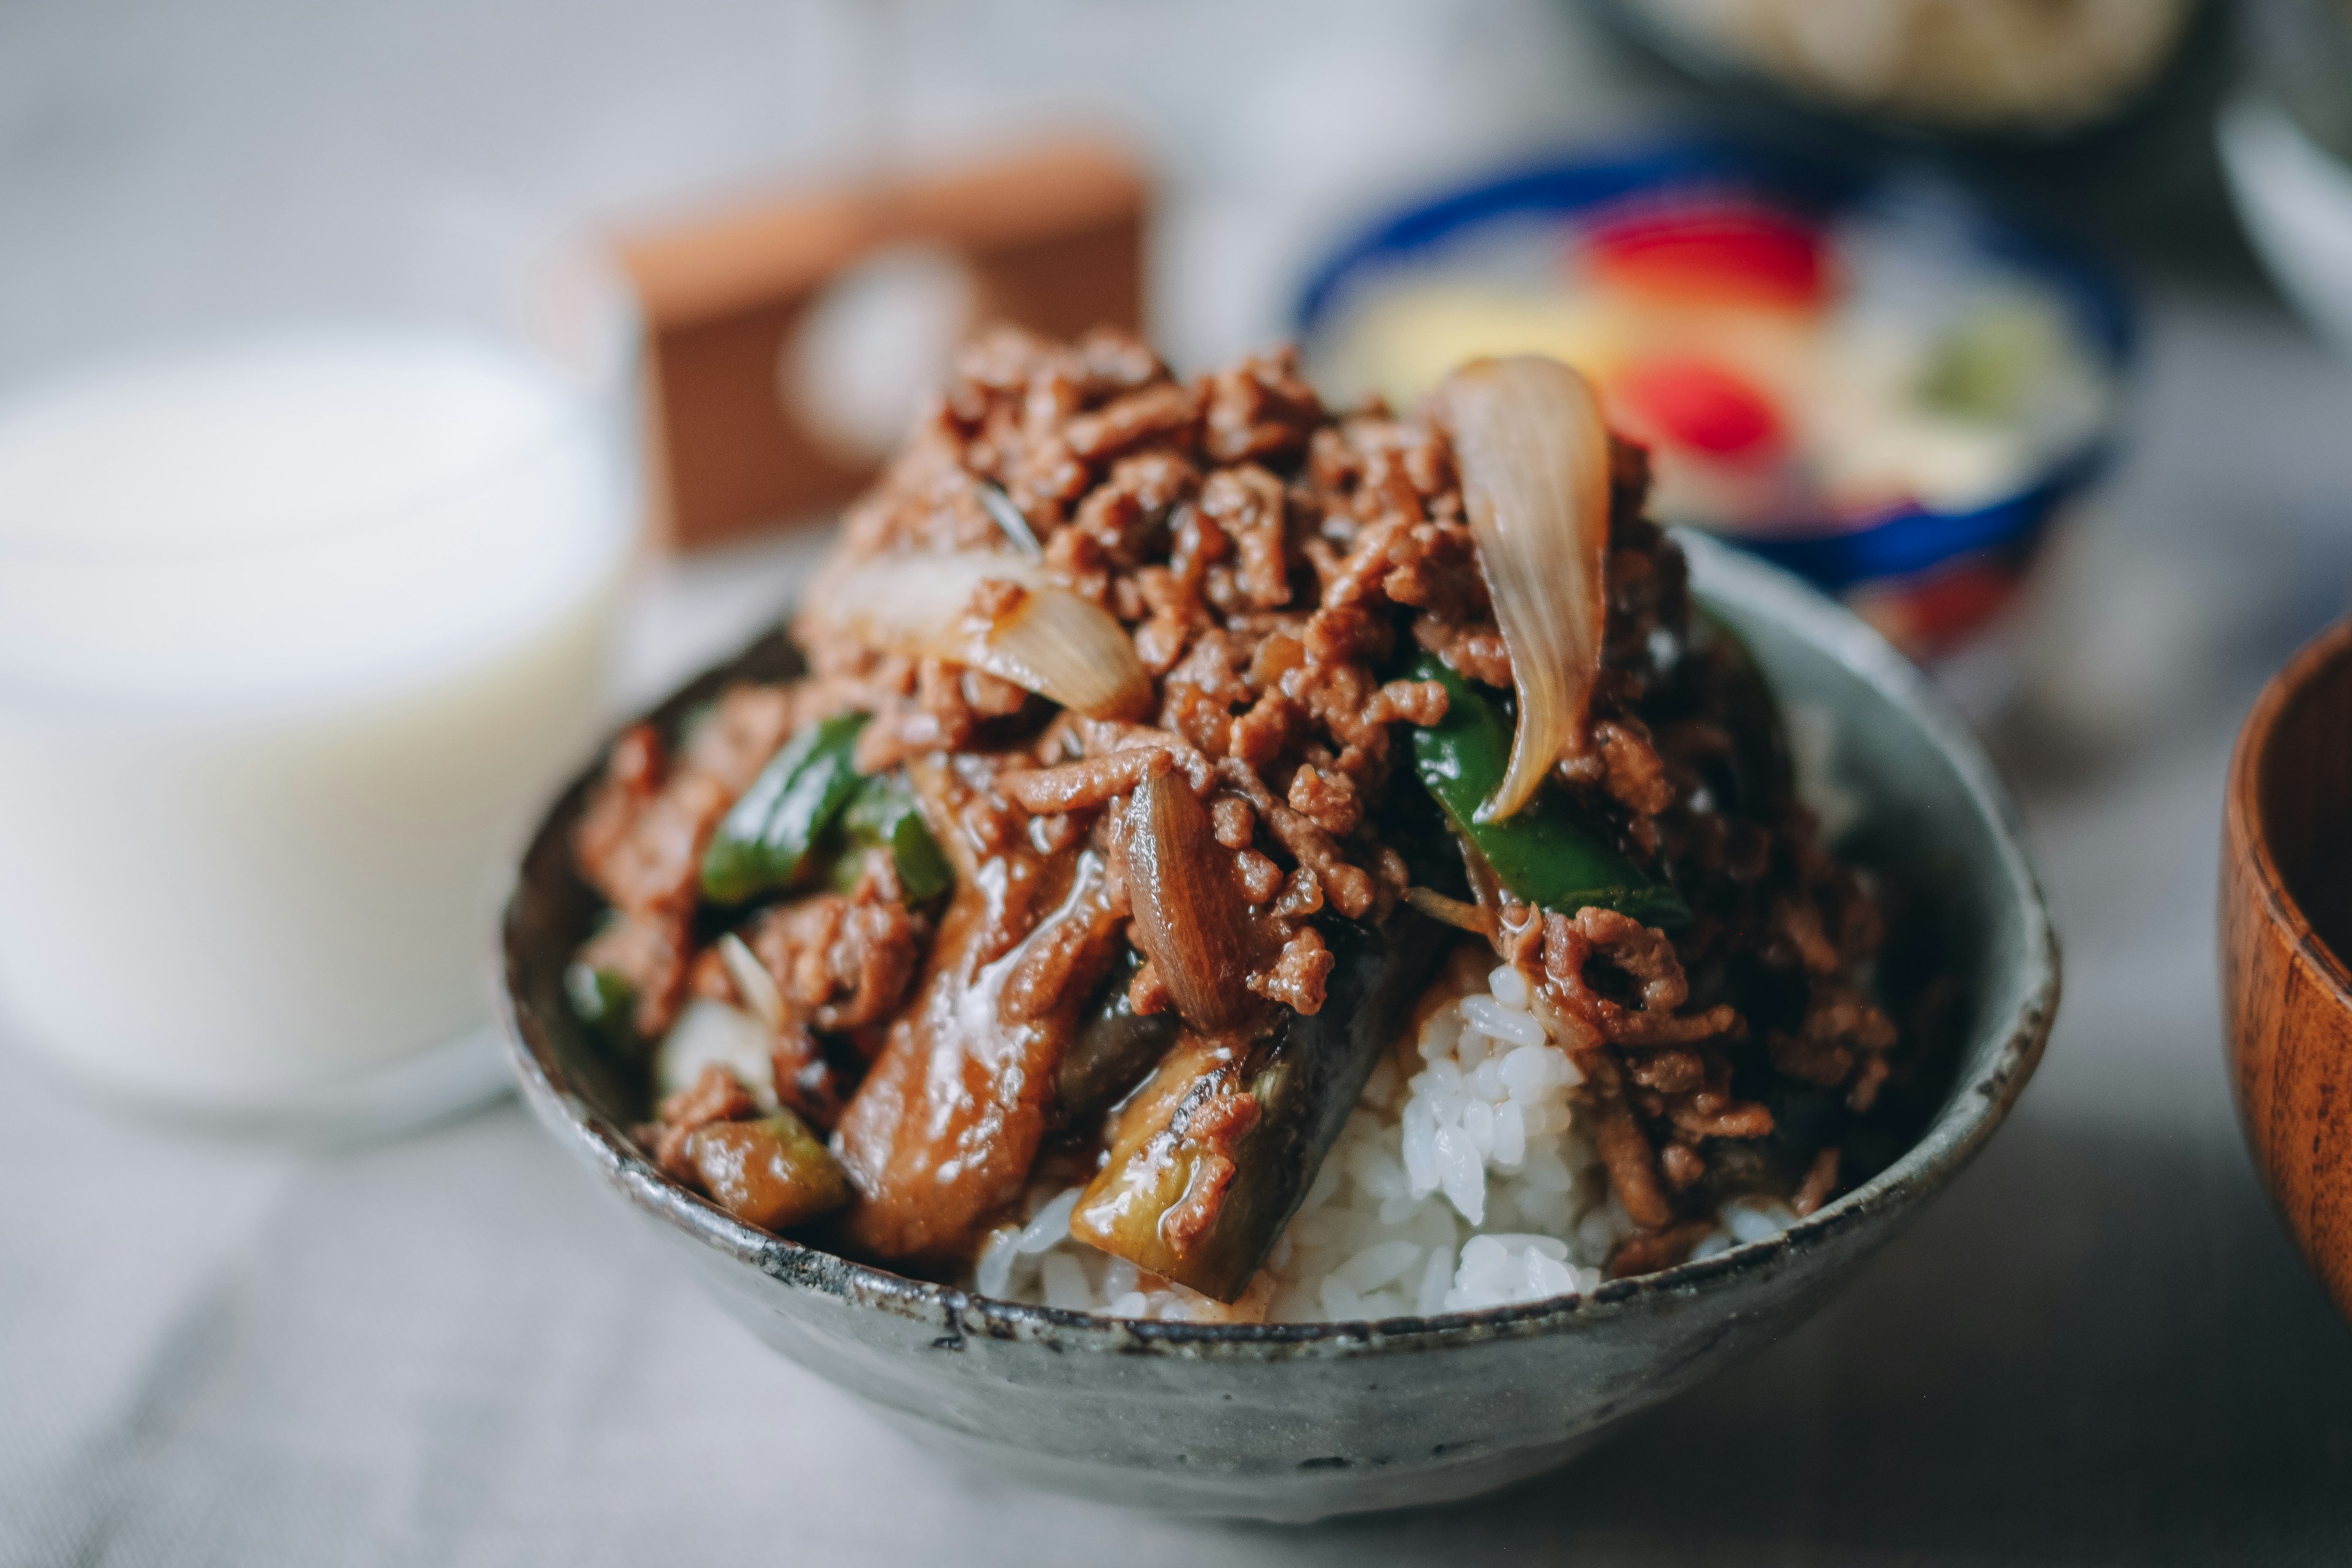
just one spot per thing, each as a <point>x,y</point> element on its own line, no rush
<point>883,813</point>
<point>761,842</point>
<point>1984,367</point>
<point>1542,853</point>
<point>1202,1207</point>
<point>605,1002</point>
<point>773,1173</point>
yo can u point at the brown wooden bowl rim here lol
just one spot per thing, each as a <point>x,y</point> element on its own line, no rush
<point>2249,840</point>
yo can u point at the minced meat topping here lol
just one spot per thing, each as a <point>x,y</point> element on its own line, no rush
<point>1276,566</point>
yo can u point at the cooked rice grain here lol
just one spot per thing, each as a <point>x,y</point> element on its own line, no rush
<point>1466,1178</point>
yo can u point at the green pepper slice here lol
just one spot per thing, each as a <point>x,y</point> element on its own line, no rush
<point>605,1002</point>
<point>763,841</point>
<point>883,813</point>
<point>1542,853</point>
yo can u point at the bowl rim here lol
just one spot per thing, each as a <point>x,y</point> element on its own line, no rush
<point>1975,1106</point>
<point>2249,840</point>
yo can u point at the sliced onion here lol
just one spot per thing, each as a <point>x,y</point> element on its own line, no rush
<point>1050,641</point>
<point>1009,519</point>
<point>1456,912</point>
<point>753,981</point>
<point>710,1031</point>
<point>1534,454</point>
<point>1190,919</point>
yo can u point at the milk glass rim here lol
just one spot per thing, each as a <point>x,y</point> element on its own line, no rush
<point>597,374</point>
<point>596,356</point>
<point>596,398</point>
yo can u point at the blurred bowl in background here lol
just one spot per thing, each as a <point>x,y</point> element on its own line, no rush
<point>2296,197</point>
<point>1981,72</point>
<point>2286,147</point>
<point>1867,377</point>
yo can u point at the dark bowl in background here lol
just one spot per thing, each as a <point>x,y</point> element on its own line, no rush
<point>2185,77</point>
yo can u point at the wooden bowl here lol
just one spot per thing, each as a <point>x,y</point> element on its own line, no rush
<point>2286,896</point>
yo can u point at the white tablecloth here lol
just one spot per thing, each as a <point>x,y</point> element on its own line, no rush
<point>454,1349</point>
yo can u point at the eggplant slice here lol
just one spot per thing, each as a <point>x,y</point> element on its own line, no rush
<point>1214,1154</point>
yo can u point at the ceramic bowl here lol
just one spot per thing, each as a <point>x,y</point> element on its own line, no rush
<point>1298,1421</point>
<point>2286,894</point>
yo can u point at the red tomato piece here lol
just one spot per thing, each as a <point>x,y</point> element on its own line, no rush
<point>1940,612</point>
<point>1699,405</point>
<point>1734,252</point>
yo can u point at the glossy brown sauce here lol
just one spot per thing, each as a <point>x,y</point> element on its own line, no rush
<point>945,1129</point>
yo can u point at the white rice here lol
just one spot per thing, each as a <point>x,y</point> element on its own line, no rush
<point>1465,1178</point>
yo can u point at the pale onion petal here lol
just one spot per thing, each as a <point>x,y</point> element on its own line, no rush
<point>914,604</point>
<point>1190,919</point>
<point>1008,518</point>
<point>1069,649</point>
<point>1534,455</point>
<point>1050,641</point>
<point>753,981</point>
<point>707,1031</point>
<point>1454,912</point>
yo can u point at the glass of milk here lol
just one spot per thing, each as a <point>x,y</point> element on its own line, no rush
<point>299,627</point>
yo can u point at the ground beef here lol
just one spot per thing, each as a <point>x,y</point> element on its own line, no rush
<point>841,962</point>
<point>1273,563</point>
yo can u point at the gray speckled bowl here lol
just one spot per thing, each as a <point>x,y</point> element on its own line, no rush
<point>1295,1421</point>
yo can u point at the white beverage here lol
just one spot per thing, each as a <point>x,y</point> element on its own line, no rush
<point>295,636</point>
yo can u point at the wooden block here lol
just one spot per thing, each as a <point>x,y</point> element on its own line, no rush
<point>1053,239</point>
